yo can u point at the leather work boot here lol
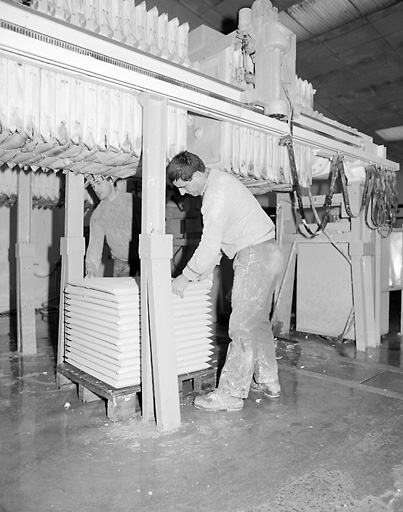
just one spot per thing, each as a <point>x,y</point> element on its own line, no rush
<point>218,400</point>
<point>270,390</point>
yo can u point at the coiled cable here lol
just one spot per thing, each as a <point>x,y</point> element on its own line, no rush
<point>380,199</point>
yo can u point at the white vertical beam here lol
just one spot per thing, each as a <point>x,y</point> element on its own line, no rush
<point>24,253</point>
<point>159,370</point>
<point>377,287</point>
<point>285,225</point>
<point>401,311</point>
<point>367,334</point>
<point>72,245</point>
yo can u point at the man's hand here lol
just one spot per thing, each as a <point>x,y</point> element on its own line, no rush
<point>90,274</point>
<point>179,285</point>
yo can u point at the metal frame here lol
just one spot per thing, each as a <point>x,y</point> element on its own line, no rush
<point>363,250</point>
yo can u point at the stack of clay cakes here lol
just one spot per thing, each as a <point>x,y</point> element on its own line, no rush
<point>102,328</point>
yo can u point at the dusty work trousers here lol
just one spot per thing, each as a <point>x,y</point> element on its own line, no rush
<point>125,268</point>
<point>251,353</point>
<point>121,268</point>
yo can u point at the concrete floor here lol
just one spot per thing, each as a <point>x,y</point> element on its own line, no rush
<point>332,442</point>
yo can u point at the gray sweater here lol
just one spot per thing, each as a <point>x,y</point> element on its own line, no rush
<point>119,222</point>
<point>232,220</point>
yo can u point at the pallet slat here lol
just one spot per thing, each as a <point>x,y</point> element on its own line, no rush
<point>124,403</point>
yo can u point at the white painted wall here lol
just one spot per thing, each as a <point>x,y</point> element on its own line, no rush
<point>47,228</point>
<point>4,259</point>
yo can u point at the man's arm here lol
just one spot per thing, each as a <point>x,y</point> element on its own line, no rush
<point>179,285</point>
<point>95,247</point>
<point>208,252</point>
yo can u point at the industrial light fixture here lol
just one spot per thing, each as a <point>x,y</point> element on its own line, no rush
<point>391,134</point>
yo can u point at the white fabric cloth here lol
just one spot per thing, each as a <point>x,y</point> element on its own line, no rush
<point>232,220</point>
<point>117,221</point>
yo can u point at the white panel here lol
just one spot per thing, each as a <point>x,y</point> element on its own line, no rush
<point>105,376</point>
<point>128,365</point>
<point>72,330</point>
<point>92,302</point>
<point>101,319</point>
<point>190,324</point>
<point>324,292</point>
<point>198,337</point>
<point>98,330</point>
<point>96,308</point>
<point>107,350</point>
<point>194,367</point>
<point>110,298</point>
<point>187,345</point>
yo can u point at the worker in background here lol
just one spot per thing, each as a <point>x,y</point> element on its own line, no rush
<point>234,223</point>
<point>116,218</point>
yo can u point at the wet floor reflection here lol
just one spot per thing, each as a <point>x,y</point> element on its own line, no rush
<point>61,454</point>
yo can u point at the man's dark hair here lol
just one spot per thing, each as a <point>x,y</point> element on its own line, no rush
<point>183,166</point>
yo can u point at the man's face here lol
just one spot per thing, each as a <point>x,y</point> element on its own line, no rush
<point>102,187</point>
<point>194,187</point>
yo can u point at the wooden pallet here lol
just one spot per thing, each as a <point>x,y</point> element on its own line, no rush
<point>124,403</point>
